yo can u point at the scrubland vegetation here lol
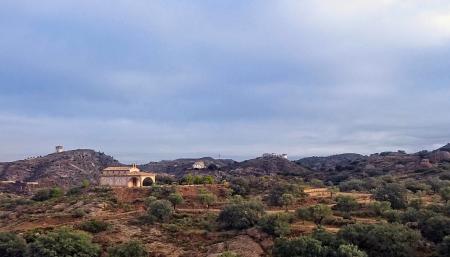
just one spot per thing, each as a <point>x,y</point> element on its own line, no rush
<point>201,215</point>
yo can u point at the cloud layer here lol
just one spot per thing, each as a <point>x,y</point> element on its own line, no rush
<point>150,80</point>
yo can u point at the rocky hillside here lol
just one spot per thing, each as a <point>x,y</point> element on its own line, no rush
<point>269,165</point>
<point>180,167</point>
<point>422,164</point>
<point>64,169</point>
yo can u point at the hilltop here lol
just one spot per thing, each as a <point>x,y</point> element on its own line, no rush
<point>63,169</point>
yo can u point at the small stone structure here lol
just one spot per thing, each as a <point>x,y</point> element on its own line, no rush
<point>126,177</point>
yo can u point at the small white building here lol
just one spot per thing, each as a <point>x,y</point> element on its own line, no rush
<point>199,165</point>
<point>59,149</point>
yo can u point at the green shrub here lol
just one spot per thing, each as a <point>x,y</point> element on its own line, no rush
<point>129,249</point>
<point>175,199</point>
<point>94,226</point>
<point>63,242</point>
<point>316,213</point>
<point>276,224</point>
<point>393,240</point>
<point>436,228</point>
<point>394,193</point>
<point>78,213</point>
<point>12,245</point>
<point>350,251</point>
<point>346,203</point>
<point>241,216</point>
<point>47,194</point>
<point>160,210</point>
<point>302,247</point>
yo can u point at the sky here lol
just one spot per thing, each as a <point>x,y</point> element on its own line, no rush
<point>149,80</point>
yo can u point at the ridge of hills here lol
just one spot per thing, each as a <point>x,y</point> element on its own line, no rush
<point>70,168</point>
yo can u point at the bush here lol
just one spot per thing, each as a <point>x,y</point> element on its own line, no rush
<point>175,199</point>
<point>94,226</point>
<point>47,194</point>
<point>240,186</point>
<point>276,224</point>
<point>78,213</point>
<point>302,247</point>
<point>160,210</point>
<point>393,193</point>
<point>436,228</point>
<point>346,204</point>
<point>444,247</point>
<point>206,198</point>
<point>63,242</point>
<point>378,208</point>
<point>393,240</point>
<point>350,251</point>
<point>241,216</point>
<point>11,245</point>
<point>275,197</point>
<point>316,213</point>
<point>131,248</point>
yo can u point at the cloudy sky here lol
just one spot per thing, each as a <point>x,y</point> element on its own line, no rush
<point>149,80</point>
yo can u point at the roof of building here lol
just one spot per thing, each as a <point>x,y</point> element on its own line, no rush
<point>118,168</point>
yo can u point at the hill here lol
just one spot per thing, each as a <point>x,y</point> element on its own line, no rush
<point>268,165</point>
<point>180,167</point>
<point>65,169</point>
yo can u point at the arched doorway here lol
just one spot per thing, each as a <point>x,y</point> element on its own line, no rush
<point>147,182</point>
<point>134,182</point>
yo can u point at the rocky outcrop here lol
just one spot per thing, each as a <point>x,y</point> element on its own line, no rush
<point>64,169</point>
<point>253,243</point>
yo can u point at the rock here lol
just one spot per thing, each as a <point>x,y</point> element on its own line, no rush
<point>217,248</point>
<point>245,246</point>
<point>425,163</point>
<point>267,244</point>
<point>242,245</point>
<point>439,156</point>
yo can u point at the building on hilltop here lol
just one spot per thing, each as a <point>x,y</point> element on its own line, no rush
<point>59,149</point>
<point>199,165</point>
<point>126,177</point>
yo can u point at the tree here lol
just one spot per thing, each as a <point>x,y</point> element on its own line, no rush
<point>333,190</point>
<point>276,224</point>
<point>445,193</point>
<point>12,245</point>
<point>175,199</point>
<point>63,243</point>
<point>393,240</point>
<point>350,251</point>
<point>394,193</point>
<point>206,198</point>
<point>300,247</point>
<point>316,213</point>
<point>131,248</point>
<point>378,208</point>
<point>241,216</point>
<point>287,200</point>
<point>240,186</point>
<point>275,197</point>
<point>346,204</point>
<point>436,228</point>
<point>160,210</point>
